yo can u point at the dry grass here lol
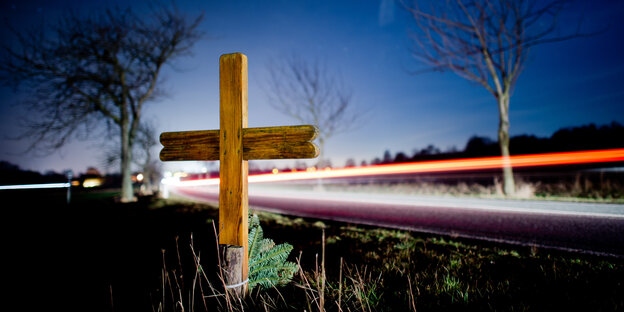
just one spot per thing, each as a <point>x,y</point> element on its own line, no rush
<point>354,268</point>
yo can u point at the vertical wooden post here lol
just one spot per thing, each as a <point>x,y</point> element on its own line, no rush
<point>260,143</point>
<point>233,201</point>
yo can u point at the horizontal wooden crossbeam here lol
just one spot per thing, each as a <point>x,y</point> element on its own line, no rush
<point>258,143</point>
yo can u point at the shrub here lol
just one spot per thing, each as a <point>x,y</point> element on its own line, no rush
<point>267,262</point>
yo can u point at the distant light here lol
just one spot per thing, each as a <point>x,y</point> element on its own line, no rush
<point>91,182</point>
<point>75,183</point>
<point>173,180</point>
<point>180,174</point>
<point>310,169</point>
<point>34,186</point>
<point>275,171</point>
<point>168,174</point>
<point>140,177</point>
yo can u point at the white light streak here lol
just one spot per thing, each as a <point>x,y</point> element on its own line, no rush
<point>34,186</point>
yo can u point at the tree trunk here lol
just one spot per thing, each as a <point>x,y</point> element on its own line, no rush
<point>147,174</point>
<point>127,193</point>
<point>503,142</point>
<point>320,165</point>
<point>321,160</point>
<point>147,182</point>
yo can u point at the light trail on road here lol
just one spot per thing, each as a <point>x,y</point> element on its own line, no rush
<point>578,227</point>
<point>480,163</point>
<point>593,228</point>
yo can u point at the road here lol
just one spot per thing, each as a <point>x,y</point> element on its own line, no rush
<point>584,227</point>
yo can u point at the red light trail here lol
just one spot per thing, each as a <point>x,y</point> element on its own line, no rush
<point>480,163</point>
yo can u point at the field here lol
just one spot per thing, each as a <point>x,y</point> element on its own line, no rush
<point>160,255</point>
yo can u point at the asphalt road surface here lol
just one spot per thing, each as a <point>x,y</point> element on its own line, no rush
<point>585,227</point>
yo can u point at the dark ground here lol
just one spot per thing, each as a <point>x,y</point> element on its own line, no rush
<point>95,254</point>
<point>84,255</point>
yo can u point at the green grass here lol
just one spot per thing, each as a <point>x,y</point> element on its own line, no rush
<point>96,254</point>
<point>380,266</point>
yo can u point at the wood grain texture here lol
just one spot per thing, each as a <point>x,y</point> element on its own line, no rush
<point>190,145</point>
<point>232,262</point>
<point>280,142</point>
<point>233,198</point>
<point>287,142</point>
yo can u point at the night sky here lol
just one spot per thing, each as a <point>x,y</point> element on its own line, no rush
<point>564,84</point>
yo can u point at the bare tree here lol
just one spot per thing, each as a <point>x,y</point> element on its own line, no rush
<point>142,155</point>
<point>86,71</point>
<point>486,41</point>
<point>311,94</point>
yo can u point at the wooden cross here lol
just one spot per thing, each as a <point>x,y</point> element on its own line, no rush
<point>233,145</point>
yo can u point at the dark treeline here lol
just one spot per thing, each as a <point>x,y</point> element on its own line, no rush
<point>13,174</point>
<point>587,137</point>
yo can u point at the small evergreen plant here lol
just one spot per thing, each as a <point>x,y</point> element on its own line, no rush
<point>267,262</point>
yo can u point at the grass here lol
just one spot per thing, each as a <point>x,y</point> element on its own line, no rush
<point>160,255</point>
<point>448,274</point>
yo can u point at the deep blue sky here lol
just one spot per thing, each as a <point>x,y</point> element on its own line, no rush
<point>564,84</point>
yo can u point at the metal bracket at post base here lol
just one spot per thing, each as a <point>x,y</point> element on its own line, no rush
<point>237,285</point>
